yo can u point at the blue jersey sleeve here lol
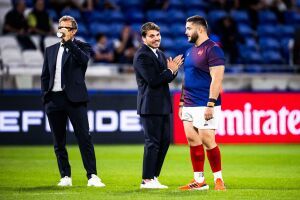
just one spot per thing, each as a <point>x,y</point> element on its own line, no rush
<point>216,57</point>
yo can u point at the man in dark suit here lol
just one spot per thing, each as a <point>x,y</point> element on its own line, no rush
<point>153,73</point>
<point>65,96</point>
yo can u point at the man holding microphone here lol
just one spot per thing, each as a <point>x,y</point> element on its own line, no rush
<point>65,97</point>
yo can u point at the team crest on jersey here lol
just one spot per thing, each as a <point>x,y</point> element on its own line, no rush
<point>200,52</point>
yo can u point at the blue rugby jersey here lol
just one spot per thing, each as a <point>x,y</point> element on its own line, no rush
<point>197,78</point>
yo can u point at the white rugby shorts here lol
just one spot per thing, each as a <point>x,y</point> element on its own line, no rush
<point>196,115</point>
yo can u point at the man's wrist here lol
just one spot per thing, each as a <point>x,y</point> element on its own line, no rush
<point>171,70</point>
<point>211,102</point>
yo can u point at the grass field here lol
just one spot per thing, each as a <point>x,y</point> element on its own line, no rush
<point>250,172</point>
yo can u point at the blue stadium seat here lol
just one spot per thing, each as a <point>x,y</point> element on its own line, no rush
<point>170,53</point>
<point>29,3</point>
<point>96,28</point>
<point>176,4</point>
<point>53,15</point>
<point>156,16</point>
<point>131,4</point>
<point>214,38</point>
<point>178,30</point>
<point>176,16</point>
<point>267,31</point>
<point>216,15</point>
<point>164,30</point>
<point>136,27</point>
<point>96,17</point>
<point>234,69</point>
<point>286,31</point>
<point>196,4</point>
<point>196,12</point>
<point>272,57</point>
<point>289,17</point>
<point>181,44</point>
<point>296,18</point>
<point>167,43</point>
<point>82,30</point>
<point>267,17</point>
<point>266,44</point>
<point>250,44</point>
<point>252,57</point>
<point>284,44</point>
<point>245,30</point>
<point>254,67</point>
<point>116,29</point>
<point>72,12</point>
<point>292,17</point>
<point>116,16</point>
<point>134,16</point>
<point>240,16</point>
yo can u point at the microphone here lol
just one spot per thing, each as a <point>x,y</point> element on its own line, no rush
<point>60,34</point>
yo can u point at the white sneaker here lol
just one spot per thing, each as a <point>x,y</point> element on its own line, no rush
<point>152,184</point>
<point>161,185</point>
<point>95,181</point>
<point>65,181</point>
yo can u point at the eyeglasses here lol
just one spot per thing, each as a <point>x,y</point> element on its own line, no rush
<point>68,28</point>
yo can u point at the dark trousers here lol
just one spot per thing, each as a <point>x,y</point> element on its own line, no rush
<point>58,110</point>
<point>157,141</point>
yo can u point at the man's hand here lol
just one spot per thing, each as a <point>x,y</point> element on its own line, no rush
<point>67,34</point>
<point>174,64</point>
<point>208,113</point>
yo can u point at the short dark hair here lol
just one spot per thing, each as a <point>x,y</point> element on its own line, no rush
<point>198,20</point>
<point>147,27</point>
<point>99,36</point>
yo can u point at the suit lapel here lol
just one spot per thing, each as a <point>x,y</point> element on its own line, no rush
<point>67,56</point>
<point>161,59</point>
<point>159,65</point>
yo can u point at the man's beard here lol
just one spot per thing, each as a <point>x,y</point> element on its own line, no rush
<point>194,38</point>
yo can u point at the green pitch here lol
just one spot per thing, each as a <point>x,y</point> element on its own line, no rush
<point>250,172</point>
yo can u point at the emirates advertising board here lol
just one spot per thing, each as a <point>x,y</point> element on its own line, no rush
<point>253,118</point>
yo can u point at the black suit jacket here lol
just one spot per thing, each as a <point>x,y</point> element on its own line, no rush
<point>152,76</point>
<point>74,68</point>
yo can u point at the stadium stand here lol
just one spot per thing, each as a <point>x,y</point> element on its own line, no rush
<point>267,43</point>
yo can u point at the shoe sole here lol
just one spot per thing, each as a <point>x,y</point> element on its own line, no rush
<point>96,185</point>
<point>202,188</point>
<point>151,188</point>
<point>206,187</point>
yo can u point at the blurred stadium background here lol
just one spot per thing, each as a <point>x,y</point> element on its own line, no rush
<point>261,92</point>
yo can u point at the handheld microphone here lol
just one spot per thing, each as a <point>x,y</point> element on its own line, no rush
<point>60,34</point>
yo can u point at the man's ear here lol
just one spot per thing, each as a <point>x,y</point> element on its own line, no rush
<point>201,29</point>
<point>74,31</point>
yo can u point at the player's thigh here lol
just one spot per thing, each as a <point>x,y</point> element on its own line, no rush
<point>208,137</point>
<point>191,133</point>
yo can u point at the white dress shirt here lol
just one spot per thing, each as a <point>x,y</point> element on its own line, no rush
<point>154,51</point>
<point>57,77</point>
